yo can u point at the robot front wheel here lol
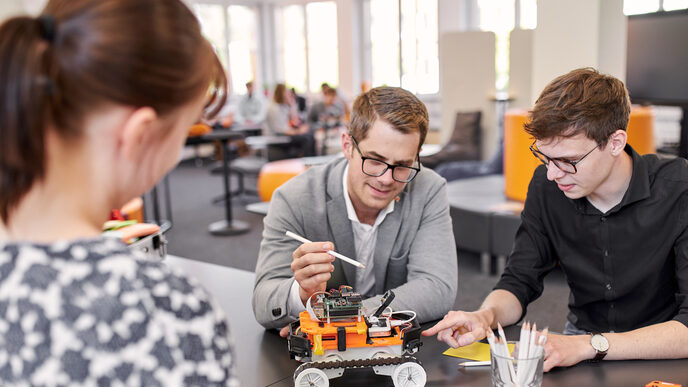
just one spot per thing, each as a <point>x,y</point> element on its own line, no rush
<point>409,374</point>
<point>311,377</point>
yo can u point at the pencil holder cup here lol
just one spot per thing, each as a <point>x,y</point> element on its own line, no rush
<point>515,370</point>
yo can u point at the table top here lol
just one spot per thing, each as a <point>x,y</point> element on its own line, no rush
<point>215,135</point>
<point>263,358</point>
<point>481,194</point>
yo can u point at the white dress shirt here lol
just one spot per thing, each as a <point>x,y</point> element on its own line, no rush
<point>365,239</point>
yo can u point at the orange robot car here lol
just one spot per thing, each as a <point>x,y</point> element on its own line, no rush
<point>334,335</point>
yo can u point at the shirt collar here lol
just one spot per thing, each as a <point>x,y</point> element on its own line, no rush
<point>351,212</point>
<point>638,188</point>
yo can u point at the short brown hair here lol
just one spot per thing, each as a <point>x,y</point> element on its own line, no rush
<point>394,105</point>
<point>582,101</point>
<point>81,55</point>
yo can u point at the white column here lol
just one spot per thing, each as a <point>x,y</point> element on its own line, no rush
<point>349,41</point>
<point>573,34</point>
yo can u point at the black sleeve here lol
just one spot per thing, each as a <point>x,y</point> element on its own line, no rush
<point>532,256</point>
<point>681,251</point>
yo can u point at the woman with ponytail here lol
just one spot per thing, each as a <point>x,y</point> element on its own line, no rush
<point>96,97</point>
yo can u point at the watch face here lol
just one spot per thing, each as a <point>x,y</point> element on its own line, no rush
<point>600,343</point>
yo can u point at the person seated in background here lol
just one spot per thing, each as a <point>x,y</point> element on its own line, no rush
<point>252,107</point>
<point>281,120</point>
<point>374,205</point>
<point>299,102</point>
<point>325,118</point>
<point>616,222</point>
<point>339,100</point>
<point>95,105</point>
<point>326,114</point>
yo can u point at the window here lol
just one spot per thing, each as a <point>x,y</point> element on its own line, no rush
<point>323,50</point>
<point>233,32</point>
<point>308,45</point>
<point>212,21</point>
<point>673,5</point>
<point>500,17</point>
<point>528,14</point>
<point>404,44</point>
<point>243,46</point>
<point>384,42</point>
<point>637,7</point>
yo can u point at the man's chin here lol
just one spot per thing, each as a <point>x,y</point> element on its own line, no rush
<point>573,194</point>
<point>378,203</point>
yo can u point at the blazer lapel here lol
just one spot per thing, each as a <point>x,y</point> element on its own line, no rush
<point>386,236</point>
<point>340,226</point>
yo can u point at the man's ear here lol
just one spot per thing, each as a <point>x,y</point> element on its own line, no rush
<point>617,142</point>
<point>136,130</point>
<point>347,146</point>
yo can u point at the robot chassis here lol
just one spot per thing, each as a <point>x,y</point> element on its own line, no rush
<point>333,335</point>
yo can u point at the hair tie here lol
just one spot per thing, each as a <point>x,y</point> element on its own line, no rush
<point>47,26</point>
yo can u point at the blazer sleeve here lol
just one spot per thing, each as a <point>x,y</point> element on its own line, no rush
<point>273,269</point>
<point>432,279</point>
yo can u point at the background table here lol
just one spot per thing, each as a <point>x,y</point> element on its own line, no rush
<point>484,220</point>
<point>228,225</point>
<point>263,358</point>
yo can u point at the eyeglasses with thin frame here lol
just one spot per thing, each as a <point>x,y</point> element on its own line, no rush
<point>567,166</point>
<point>374,167</point>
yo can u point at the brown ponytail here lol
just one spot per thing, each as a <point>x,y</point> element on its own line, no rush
<point>129,52</point>
<point>23,109</point>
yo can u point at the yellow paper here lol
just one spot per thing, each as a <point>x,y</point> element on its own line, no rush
<point>475,351</point>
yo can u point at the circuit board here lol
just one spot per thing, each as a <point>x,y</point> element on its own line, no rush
<point>344,305</point>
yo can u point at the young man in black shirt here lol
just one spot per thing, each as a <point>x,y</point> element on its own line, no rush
<point>616,222</point>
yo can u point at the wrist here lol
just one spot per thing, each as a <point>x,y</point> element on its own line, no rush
<point>488,316</point>
<point>587,351</point>
<point>304,295</point>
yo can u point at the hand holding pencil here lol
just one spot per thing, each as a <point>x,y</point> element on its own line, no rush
<point>312,265</point>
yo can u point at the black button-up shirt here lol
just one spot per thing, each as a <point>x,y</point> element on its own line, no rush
<point>626,268</point>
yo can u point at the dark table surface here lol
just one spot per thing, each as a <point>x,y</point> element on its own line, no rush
<point>263,358</point>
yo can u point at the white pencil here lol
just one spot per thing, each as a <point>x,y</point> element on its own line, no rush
<point>331,252</point>
<point>474,363</point>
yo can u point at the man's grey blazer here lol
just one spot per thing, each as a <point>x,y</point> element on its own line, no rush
<point>415,253</point>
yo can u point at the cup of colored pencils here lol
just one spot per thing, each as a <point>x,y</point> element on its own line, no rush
<point>522,366</point>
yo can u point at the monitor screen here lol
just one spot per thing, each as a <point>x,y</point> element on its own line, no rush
<point>657,58</point>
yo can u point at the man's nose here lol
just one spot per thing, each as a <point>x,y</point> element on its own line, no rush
<point>386,178</point>
<point>553,172</point>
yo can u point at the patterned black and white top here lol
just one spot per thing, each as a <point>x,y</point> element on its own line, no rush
<point>91,313</point>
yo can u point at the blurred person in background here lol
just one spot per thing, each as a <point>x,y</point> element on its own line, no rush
<point>281,120</point>
<point>252,107</point>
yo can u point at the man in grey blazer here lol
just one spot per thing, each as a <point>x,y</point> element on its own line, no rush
<point>374,205</point>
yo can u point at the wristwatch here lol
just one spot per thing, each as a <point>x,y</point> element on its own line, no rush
<point>600,344</point>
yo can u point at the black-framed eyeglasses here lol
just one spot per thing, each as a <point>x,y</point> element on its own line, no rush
<point>374,167</point>
<point>563,165</point>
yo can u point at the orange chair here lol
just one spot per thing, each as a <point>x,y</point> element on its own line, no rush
<point>519,163</point>
<point>276,173</point>
<point>641,133</point>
